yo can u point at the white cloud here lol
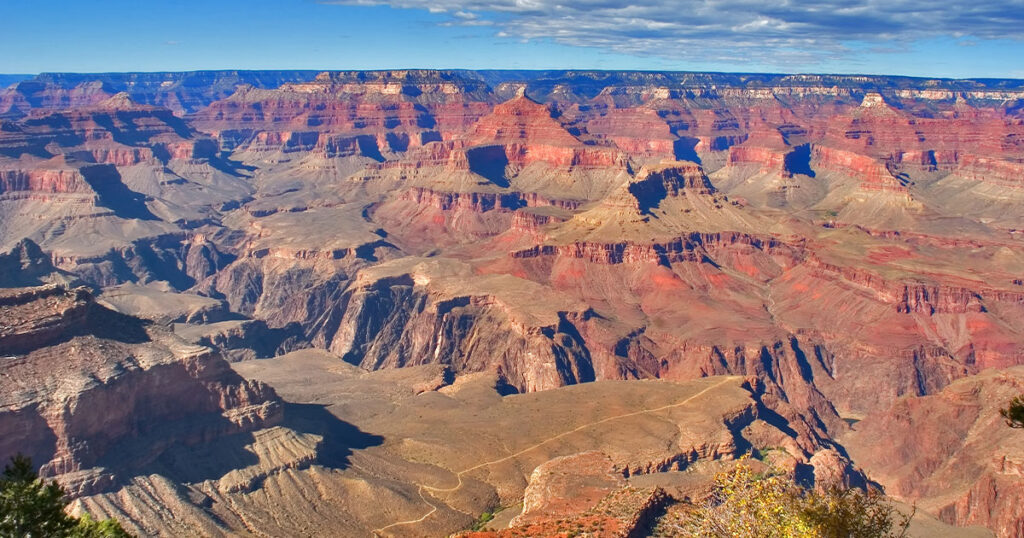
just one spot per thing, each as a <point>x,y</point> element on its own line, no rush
<point>779,33</point>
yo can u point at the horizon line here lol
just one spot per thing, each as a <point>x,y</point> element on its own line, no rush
<point>523,70</point>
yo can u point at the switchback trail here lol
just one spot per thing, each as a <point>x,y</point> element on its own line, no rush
<point>433,507</point>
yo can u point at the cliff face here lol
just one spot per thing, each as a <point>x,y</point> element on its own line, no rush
<point>36,317</point>
<point>971,470</point>
<point>93,397</point>
<point>53,181</point>
<point>846,241</point>
<point>26,264</point>
<point>392,323</point>
<point>180,92</point>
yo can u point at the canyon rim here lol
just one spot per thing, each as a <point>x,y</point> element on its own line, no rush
<point>513,302</point>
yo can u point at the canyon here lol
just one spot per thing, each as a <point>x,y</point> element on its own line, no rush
<point>385,302</point>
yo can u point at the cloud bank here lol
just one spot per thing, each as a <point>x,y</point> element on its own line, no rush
<point>738,31</point>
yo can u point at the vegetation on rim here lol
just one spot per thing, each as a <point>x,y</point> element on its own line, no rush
<point>1014,413</point>
<point>747,504</point>
<point>32,507</point>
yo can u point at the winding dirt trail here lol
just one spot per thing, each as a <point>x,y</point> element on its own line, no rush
<point>433,507</point>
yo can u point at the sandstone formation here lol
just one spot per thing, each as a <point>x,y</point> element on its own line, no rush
<point>94,397</point>
<point>971,473</point>
<point>582,494</point>
<point>847,244</point>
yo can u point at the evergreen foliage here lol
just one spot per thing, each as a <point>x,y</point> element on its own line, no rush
<point>31,507</point>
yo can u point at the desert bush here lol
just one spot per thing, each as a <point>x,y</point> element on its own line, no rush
<point>852,513</point>
<point>482,521</point>
<point>745,504</point>
<point>1014,413</point>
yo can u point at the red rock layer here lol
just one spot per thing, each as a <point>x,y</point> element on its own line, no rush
<point>521,119</point>
<point>692,248</point>
<point>872,174</point>
<point>107,395</point>
<point>1009,174</point>
<point>43,181</point>
<point>957,455</point>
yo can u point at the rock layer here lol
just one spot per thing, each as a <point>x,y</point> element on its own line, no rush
<point>847,242</point>
<point>93,397</point>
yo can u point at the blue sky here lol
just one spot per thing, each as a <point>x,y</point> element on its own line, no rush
<point>908,37</point>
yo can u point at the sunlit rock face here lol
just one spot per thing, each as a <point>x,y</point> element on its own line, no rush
<point>851,246</point>
<point>94,397</point>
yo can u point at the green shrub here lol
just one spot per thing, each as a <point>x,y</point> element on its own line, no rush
<point>31,507</point>
<point>482,520</point>
<point>853,513</point>
<point>90,528</point>
<point>1014,413</point>
<point>745,504</point>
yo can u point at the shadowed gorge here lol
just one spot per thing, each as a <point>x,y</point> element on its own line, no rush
<point>798,161</point>
<point>349,303</point>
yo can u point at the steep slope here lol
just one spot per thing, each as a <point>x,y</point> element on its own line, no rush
<point>95,398</point>
<point>845,242</point>
<point>971,472</point>
<point>407,477</point>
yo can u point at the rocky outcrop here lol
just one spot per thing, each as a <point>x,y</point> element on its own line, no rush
<point>872,174</point>
<point>173,258</point>
<point>26,265</point>
<point>567,486</point>
<point>480,202</point>
<point>43,181</point>
<point>693,248</point>
<point>238,340</point>
<point>637,131</point>
<point>94,397</point>
<point>671,179</point>
<point>522,119</point>
<point>929,160</point>
<point>919,297</point>
<point>766,159</point>
<point>525,132</point>
<point>582,492</point>
<point>924,299</point>
<point>991,170</point>
<point>468,201</point>
<point>393,322</point>
<point>970,471</point>
<point>37,317</point>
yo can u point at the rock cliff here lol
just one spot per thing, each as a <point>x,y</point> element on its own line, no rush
<point>970,470</point>
<point>848,243</point>
<point>95,397</point>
